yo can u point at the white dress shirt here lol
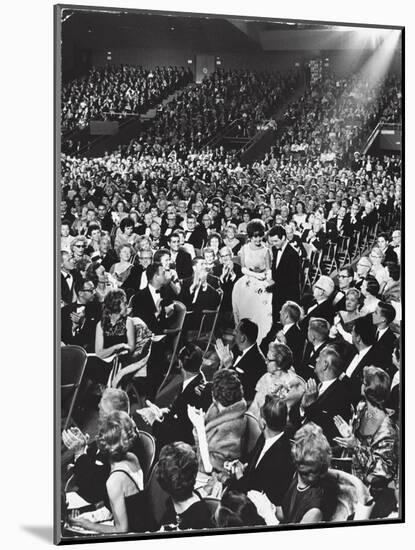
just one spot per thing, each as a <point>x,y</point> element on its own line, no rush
<point>286,328</point>
<point>380,333</point>
<point>280,252</point>
<point>324,386</point>
<point>156,298</point>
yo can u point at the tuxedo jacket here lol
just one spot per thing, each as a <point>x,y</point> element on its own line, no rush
<point>85,337</point>
<point>336,400</point>
<point>197,237</point>
<point>309,359</point>
<point>68,292</point>
<point>298,246</point>
<point>387,341</point>
<point>249,369</point>
<point>227,285</point>
<point>274,472</point>
<point>295,341</point>
<point>286,278</point>
<point>376,356</point>
<point>349,225</point>
<point>369,220</point>
<point>323,310</point>
<point>390,255</point>
<point>318,241</point>
<point>143,306</point>
<point>176,425</point>
<point>184,264</point>
<point>109,259</point>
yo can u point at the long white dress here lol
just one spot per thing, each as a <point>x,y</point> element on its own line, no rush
<point>249,297</point>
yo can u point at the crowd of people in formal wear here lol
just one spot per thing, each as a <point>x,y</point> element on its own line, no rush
<point>115,92</point>
<point>278,399</point>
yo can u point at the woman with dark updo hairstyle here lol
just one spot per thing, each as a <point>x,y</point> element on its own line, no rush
<point>125,482</point>
<point>237,510</point>
<point>115,332</point>
<point>249,297</point>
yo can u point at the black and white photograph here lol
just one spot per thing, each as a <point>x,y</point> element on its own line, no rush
<point>229,264</point>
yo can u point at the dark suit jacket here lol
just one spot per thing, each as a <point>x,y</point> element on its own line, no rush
<point>387,342</point>
<point>376,357</point>
<point>206,299</point>
<point>184,264</point>
<point>286,278</point>
<point>176,425</point>
<point>323,310</point>
<point>85,337</point>
<point>109,259</point>
<point>250,368</point>
<point>227,285</point>
<point>298,246</point>
<point>390,255</point>
<point>369,220</point>
<point>68,293</point>
<point>350,226</point>
<point>143,306</point>
<point>309,359</point>
<point>274,472</point>
<point>335,400</point>
<point>295,341</point>
<point>198,237</point>
<point>318,241</point>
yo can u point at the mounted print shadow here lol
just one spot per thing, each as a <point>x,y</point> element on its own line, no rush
<point>228,265</point>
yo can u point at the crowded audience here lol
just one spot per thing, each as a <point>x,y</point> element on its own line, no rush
<point>263,300</point>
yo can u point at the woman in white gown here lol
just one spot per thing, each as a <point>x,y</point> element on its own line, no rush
<point>249,297</point>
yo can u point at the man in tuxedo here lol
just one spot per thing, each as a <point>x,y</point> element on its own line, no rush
<point>79,319</point>
<point>196,234</point>
<point>363,266</point>
<point>287,332</point>
<point>383,317</point>
<point>169,229</point>
<point>107,256</point>
<point>285,269</point>
<point>322,305</point>
<point>250,363</point>
<point>363,338</point>
<point>317,340</point>
<point>68,275</point>
<point>295,241</point>
<point>180,257</point>
<point>270,467</point>
<point>91,466</point>
<point>389,254</point>
<point>228,273</point>
<point>198,294</point>
<point>142,261</point>
<point>181,390</point>
<point>151,304</point>
<point>351,221</point>
<point>104,219</point>
<point>396,244</point>
<point>345,277</point>
<point>330,397</point>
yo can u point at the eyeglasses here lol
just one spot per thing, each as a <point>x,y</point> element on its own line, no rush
<point>88,289</point>
<point>80,245</point>
<point>343,276</point>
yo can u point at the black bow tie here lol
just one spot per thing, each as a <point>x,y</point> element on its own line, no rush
<point>157,291</point>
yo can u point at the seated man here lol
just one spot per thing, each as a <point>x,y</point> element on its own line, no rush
<point>92,467</point>
<point>79,319</point>
<point>269,468</point>
<point>345,277</point>
<point>228,273</point>
<point>322,306</point>
<point>183,389</point>
<point>383,317</point>
<point>317,340</point>
<point>179,256</point>
<point>322,402</point>
<point>68,275</point>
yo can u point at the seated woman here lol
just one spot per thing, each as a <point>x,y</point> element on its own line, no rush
<point>162,257</point>
<point>176,473</point>
<point>370,291</point>
<point>125,273</point>
<point>372,437</point>
<point>237,510</point>
<point>281,379</point>
<point>312,495</point>
<point>391,290</point>
<point>103,280</point>
<point>378,270</point>
<point>214,242</point>
<point>246,218</point>
<point>125,234</point>
<point>125,483</point>
<point>115,333</point>
<point>230,239</point>
<point>344,320</point>
<point>223,425</point>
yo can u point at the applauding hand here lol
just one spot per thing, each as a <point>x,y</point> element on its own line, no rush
<point>310,394</point>
<point>224,353</point>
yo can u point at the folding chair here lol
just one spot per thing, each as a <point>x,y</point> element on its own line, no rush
<point>173,333</point>
<point>156,498</point>
<point>355,244</point>
<point>148,454</point>
<point>250,436</point>
<point>209,316</point>
<point>328,260</point>
<point>73,361</point>
<point>343,256</point>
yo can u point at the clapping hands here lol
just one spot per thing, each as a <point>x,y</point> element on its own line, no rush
<point>75,440</point>
<point>224,353</point>
<point>196,417</point>
<point>310,394</point>
<point>347,440</point>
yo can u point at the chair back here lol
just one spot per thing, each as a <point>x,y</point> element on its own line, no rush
<point>252,431</point>
<point>73,361</point>
<point>173,333</point>
<point>147,454</point>
<point>208,323</point>
<point>156,498</point>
